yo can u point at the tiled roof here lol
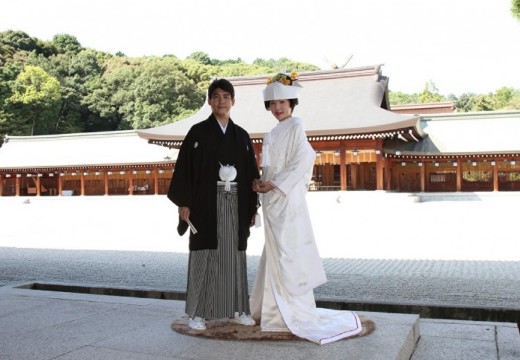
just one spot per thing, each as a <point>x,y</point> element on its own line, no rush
<point>425,108</point>
<point>332,102</point>
<point>486,132</point>
<point>83,149</point>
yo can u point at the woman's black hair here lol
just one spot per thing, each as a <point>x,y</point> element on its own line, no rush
<point>292,103</point>
<point>221,84</point>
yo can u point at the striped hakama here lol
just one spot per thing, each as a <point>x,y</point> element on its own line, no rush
<point>217,278</point>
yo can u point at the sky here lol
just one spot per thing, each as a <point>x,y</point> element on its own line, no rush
<point>462,46</point>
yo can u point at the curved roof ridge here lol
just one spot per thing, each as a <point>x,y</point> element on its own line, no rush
<point>333,101</point>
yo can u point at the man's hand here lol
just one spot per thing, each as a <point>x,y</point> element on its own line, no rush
<point>184,213</point>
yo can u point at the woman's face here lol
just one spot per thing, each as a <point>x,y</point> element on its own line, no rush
<point>281,109</point>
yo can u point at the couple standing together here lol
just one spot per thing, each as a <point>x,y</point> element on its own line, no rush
<point>217,188</point>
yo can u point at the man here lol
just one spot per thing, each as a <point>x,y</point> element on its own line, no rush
<point>220,209</point>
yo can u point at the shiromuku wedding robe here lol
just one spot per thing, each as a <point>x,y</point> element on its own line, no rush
<point>290,267</point>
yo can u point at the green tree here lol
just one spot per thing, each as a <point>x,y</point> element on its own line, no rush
<point>515,8</point>
<point>112,93</point>
<point>39,92</point>
<point>502,97</point>
<point>161,92</point>
<point>284,65</point>
<point>66,44</point>
<point>398,98</point>
<point>514,102</point>
<point>16,41</point>
<point>465,102</point>
<point>483,103</point>
<point>74,72</point>
<point>200,57</point>
<point>430,94</point>
<point>229,70</point>
<point>69,117</point>
<point>6,52</point>
<point>199,73</point>
<point>9,123</point>
<point>84,70</point>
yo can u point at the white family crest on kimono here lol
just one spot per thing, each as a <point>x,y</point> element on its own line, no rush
<point>227,173</point>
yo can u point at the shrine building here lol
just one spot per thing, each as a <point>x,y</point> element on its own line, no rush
<point>360,142</point>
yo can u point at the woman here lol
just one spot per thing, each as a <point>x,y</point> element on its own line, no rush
<point>290,268</point>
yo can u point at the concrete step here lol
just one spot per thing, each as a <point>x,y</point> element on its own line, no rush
<point>40,324</point>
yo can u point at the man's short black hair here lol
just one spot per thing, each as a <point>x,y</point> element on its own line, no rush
<point>221,84</point>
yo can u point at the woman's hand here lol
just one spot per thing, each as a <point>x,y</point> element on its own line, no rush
<point>262,187</point>
<point>255,184</point>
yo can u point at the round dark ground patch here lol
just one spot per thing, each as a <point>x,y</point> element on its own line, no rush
<point>225,330</point>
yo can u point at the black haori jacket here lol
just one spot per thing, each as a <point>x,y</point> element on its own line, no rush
<point>194,181</point>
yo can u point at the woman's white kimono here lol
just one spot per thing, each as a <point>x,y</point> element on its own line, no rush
<point>290,268</point>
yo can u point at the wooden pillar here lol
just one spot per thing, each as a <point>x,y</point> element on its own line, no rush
<point>422,176</point>
<point>105,175</point>
<point>397,174</point>
<point>156,181</point>
<point>379,171</point>
<point>1,186</point>
<point>60,183</point>
<point>361,171</point>
<point>354,167</point>
<point>459,175</point>
<point>82,183</point>
<point>131,184</point>
<point>37,184</point>
<point>388,174</point>
<point>495,176</point>
<point>379,165</point>
<point>18,177</point>
<point>343,166</point>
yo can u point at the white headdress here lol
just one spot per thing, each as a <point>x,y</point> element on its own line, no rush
<point>281,87</point>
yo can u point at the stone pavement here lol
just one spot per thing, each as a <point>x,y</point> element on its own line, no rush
<point>438,251</point>
<point>36,324</point>
<point>44,325</point>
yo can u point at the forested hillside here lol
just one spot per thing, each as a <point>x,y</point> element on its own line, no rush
<point>61,87</point>
<point>58,86</point>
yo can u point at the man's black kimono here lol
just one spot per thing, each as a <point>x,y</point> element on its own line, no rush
<point>194,181</point>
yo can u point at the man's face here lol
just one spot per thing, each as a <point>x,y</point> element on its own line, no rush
<point>221,103</point>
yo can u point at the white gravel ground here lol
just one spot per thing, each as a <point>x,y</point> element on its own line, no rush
<point>360,225</point>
